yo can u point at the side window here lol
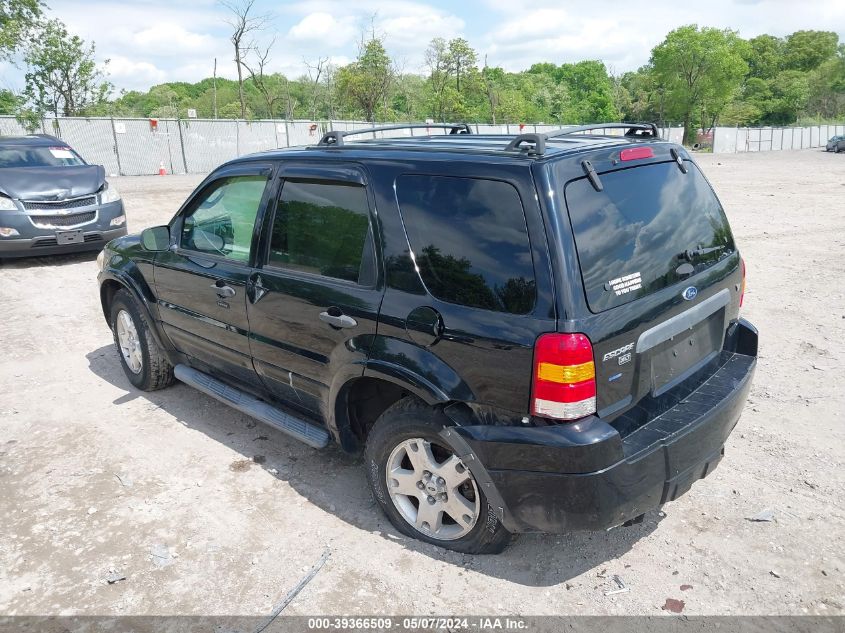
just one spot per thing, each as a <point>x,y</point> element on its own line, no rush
<point>322,228</point>
<point>222,220</point>
<point>469,241</point>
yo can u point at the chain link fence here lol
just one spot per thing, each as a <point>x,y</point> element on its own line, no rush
<point>137,147</point>
<point>766,139</point>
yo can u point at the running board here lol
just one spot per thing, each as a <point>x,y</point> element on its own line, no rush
<point>306,432</point>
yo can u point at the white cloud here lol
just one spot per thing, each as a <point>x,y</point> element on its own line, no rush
<point>623,38</point>
<point>169,38</point>
<point>323,29</point>
<point>554,35</point>
<point>126,72</point>
<point>407,26</point>
<point>177,40</point>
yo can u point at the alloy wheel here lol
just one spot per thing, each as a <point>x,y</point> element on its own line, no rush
<point>432,489</point>
<point>130,345</point>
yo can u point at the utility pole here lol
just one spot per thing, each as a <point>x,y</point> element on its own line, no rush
<point>214,87</point>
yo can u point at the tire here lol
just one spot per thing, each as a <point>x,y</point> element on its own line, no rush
<point>391,443</point>
<point>144,362</point>
<point>836,149</point>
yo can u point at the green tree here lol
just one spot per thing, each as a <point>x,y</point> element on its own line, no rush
<point>587,88</point>
<point>790,91</point>
<point>62,76</point>
<point>462,61</point>
<point>409,98</point>
<point>765,56</point>
<point>439,77</point>
<point>701,70</point>
<point>8,102</point>
<point>806,50</point>
<point>644,99</point>
<point>17,18</point>
<point>591,92</point>
<point>740,113</point>
<point>368,79</point>
<point>826,86</point>
<point>232,110</point>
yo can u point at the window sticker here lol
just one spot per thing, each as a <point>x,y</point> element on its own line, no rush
<point>61,152</point>
<point>626,284</point>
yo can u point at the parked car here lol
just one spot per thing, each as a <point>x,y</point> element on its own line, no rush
<point>52,201</point>
<point>521,333</point>
<point>835,144</point>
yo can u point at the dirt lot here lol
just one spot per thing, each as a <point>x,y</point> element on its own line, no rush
<point>165,489</point>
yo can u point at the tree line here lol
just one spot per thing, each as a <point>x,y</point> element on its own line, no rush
<point>697,77</point>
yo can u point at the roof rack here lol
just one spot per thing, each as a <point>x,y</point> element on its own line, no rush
<point>335,137</point>
<point>535,144</point>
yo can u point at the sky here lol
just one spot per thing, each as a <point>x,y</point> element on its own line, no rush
<point>153,41</point>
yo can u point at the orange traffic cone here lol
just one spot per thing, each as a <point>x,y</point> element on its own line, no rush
<point>161,170</point>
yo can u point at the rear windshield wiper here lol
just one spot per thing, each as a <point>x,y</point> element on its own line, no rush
<point>693,253</point>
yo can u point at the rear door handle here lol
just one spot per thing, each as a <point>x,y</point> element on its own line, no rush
<point>340,320</point>
<point>223,291</point>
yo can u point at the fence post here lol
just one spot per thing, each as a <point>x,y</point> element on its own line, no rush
<point>182,145</point>
<point>169,149</point>
<point>116,150</point>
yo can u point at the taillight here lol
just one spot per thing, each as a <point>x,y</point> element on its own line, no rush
<point>742,288</point>
<point>564,385</point>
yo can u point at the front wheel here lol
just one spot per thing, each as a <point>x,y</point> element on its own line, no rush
<point>144,362</point>
<point>424,488</point>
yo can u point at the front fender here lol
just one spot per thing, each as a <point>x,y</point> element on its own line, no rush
<point>128,275</point>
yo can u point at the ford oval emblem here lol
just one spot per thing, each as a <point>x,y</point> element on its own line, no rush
<point>690,293</point>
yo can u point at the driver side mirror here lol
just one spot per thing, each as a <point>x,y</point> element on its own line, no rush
<point>156,238</point>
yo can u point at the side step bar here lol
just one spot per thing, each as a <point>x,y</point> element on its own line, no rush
<point>306,432</point>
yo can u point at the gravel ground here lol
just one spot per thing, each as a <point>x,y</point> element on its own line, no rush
<point>203,511</point>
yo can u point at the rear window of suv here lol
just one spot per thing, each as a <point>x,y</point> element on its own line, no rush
<point>633,236</point>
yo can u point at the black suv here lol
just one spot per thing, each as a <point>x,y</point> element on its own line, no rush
<point>522,333</point>
<point>52,201</point>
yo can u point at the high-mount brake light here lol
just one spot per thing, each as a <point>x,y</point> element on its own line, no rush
<point>564,381</point>
<point>636,153</point>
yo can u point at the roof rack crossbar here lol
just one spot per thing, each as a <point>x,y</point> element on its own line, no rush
<point>335,137</point>
<point>632,129</point>
<point>535,144</point>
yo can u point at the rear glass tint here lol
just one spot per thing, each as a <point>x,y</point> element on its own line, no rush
<point>632,237</point>
<point>469,241</point>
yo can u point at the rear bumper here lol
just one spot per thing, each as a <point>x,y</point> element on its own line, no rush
<point>586,476</point>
